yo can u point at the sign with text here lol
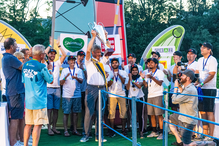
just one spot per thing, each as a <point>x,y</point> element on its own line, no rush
<point>20,47</point>
<point>164,50</point>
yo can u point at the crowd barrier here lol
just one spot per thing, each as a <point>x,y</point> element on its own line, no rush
<point>134,121</point>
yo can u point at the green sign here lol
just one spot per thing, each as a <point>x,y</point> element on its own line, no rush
<point>73,45</point>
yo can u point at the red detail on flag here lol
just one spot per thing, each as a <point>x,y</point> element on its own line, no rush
<point>112,43</point>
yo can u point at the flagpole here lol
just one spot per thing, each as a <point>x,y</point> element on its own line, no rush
<point>53,22</point>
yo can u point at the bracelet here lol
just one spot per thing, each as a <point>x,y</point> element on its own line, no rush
<point>175,87</point>
<point>84,70</point>
<point>59,46</point>
<point>202,84</point>
<point>133,81</point>
<point>111,79</point>
<point>64,79</point>
<point>50,70</point>
<point>50,46</point>
<point>143,79</point>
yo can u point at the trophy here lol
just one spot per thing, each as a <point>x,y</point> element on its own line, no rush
<point>99,28</point>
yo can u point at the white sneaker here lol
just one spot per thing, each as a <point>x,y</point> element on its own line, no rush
<point>160,136</point>
<point>153,134</point>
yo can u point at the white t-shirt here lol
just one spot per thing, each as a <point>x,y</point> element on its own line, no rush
<point>71,87</point>
<point>170,68</point>
<point>193,65</point>
<point>127,69</point>
<point>117,87</point>
<point>161,67</point>
<point>93,76</point>
<point>135,91</point>
<point>155,90</point>
<point>56,73</point>
<point>3,81</point>
<point>83,85</point>
<point>211,66</point>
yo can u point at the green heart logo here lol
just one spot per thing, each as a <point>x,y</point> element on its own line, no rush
<point>73,45</point>
<point>166,50</point>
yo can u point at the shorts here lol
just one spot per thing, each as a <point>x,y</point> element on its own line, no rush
<point>170,101</point>
<point>71,105</point>
<point>155,101</point>
<point>4,98</point>
<point>36,117</point>
<point>16,105</point>
<point>112,107</point>
<point>53,98</point>
<point>207,105</point>
<point>186,135</point>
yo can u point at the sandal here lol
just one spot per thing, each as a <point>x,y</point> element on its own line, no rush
<point>76,133</point>
<point>50,133</point>
<point>57,132</point>
<point>66,134</point>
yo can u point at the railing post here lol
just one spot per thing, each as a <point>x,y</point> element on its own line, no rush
<point>100,120</point>
<point>166,119</point>
<point>134,127</point>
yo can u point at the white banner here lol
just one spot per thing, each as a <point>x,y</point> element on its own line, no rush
<point>72,43</point>
<point>164,50</point>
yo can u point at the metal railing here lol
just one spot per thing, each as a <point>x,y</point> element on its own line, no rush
<point>166,121</point>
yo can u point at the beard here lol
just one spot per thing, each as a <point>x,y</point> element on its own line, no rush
<point>182,81</point>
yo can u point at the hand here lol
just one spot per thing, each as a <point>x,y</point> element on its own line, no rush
<point>49,66</point>
<point>58,41</point>
<point>74,77</point>
<point>165,72</point>
<point>107,75</point>
<point>176,83</point>
<point>149,75</point>
<point>93,33</point>
<point>106,33</point>
<point>142,75</point>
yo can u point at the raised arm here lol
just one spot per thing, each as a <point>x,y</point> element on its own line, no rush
<point>62,59</point>
<point>90,45</point>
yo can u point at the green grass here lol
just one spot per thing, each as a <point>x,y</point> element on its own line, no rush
<point>60,140</point>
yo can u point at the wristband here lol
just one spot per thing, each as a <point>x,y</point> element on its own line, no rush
<point>111,79</point>
<point>50,70</point>
<point>64,79</point>
<point>107,39</point>
<point>84,70</point>
<point>50,46</point>
<point>143,79</point>
<point>202,84</point>
<point>133,81</point>
<point>59,46</point>
<point>175,87</point>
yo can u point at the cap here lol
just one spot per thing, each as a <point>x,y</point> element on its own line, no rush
<point>189,73</point>
<point>132,55</point>
<point>114,59</point>
<point>192,50</point>
<point>71,58</point>
<point>52,50</point>
<point>154,60</point>
<point>206,44</point>
<point>134,66</point>
<point>155,52</point>
<point>178,53</point>
<point>81,53</point>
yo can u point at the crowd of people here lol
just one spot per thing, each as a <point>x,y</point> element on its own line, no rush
<point>33,87</point>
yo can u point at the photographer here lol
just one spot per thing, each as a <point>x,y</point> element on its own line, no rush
<point>173,70</point>
<point>188,105</point>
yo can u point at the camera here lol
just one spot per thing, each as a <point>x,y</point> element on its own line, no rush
<point>183,66</point>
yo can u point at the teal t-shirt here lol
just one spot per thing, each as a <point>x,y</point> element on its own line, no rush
<point>35,76</point>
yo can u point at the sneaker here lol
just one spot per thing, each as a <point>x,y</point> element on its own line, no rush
<point>153,134</point>
<point>177,144</point>
<point>96,139</point>
<point>145,131</point>
<point>208,139</point>
<point>125,133</point>
<point>84,139</point>
<point>160,136</point>
<point>112,134</point>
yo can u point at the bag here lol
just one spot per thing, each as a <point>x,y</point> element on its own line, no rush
<point>200,98</point>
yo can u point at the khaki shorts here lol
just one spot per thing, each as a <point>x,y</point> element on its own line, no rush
<point>112,107</point>
<point>155,101</point>
<point>36,117</point>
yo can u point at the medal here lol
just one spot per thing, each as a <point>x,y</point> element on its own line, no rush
<point>71,73</point>
<point>134,89</point>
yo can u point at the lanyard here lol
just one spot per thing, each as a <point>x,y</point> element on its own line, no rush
<point>52,66</point>
<point>73,71</point>
<point>153,75</point>
<point>77,64</point>
<point>204,64</point>
<point>190,64</point>
<point>116,77</point>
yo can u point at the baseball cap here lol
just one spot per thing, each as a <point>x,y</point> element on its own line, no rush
<point>178,53</point>
<point>192,50</point>
<point>154,60</point>
<point>52,50</point>
<point>81,53</point>
<point>71,58</point>
<point>206,44</point>
<point>155,52</point>
<point>189,73</point>
<point>132,55</point>
<point>114,59</point>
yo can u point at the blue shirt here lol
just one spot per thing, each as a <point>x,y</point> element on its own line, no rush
<point>35,75</point>
<point>13,75</point>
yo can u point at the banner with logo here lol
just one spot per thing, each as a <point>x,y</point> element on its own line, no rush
<point>72,43</point>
